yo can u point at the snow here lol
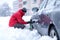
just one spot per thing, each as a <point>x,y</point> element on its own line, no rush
<point>27,18</point>
<point>47,38</point>
<point>9,33</point>
<point>10,2</point>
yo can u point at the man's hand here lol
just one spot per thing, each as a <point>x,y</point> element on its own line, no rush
<point>31,22</point>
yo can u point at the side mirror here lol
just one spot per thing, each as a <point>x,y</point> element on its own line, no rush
<point>35,9</point>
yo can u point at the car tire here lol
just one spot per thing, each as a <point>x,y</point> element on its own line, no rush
<point>53,32</point>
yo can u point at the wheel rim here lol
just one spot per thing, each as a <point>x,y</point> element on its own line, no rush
<point>53,34</point>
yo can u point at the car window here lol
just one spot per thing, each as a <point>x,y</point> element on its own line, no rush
<point>57,3</point>
<point>42,5</point>
<point>50,3</point>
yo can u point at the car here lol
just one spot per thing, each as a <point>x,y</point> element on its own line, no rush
<point>47,18</point>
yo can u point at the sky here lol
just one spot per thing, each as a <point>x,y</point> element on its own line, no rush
<point>10,2</point>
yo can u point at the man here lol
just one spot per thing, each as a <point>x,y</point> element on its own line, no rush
<point>16,20</point>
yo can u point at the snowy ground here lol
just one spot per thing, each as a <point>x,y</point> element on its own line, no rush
<point>7,33</point>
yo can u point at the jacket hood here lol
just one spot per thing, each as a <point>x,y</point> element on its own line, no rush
<point>21,12</point>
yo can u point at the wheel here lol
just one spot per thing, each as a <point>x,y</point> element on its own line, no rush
<point>53,33</point>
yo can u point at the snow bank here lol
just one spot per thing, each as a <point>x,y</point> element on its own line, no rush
<point>7,33</point>
<point>47,38</point>
<point>18,34</point>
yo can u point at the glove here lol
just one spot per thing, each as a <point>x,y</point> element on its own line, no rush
<point>31,22</point>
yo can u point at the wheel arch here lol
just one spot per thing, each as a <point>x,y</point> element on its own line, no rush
<point>51,25</point>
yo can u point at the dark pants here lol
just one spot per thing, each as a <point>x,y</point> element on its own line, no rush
<point>19,26</point>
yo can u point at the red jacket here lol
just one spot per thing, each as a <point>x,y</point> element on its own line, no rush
<point>17,18</point>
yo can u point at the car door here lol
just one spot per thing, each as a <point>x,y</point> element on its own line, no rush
<point>38,25</point>
<point>44,17</point>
